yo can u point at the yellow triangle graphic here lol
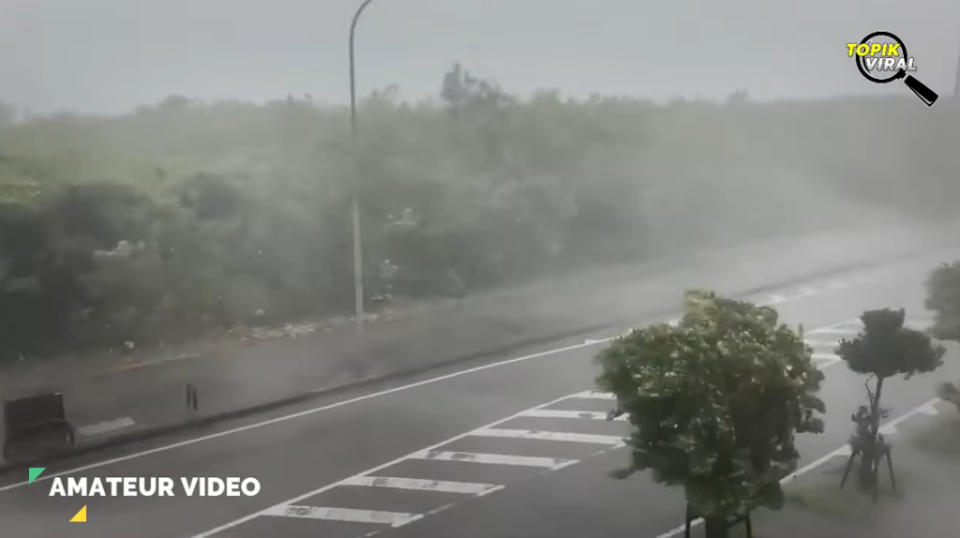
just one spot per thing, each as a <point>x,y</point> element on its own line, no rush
<point>81,516</point>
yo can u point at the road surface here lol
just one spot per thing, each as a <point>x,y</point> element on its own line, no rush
<point>513,446</point>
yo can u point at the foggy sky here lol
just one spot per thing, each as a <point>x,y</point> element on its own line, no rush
<point>108,56</point>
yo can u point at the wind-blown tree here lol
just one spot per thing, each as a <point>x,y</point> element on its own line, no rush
<point>884,348</point>
<point>943,298</point>
<point>715,403</point>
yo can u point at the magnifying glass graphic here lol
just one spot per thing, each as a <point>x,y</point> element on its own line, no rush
<point>925,94</point>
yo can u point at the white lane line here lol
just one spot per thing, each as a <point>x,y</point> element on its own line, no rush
<point>304,413</point>
<point>106,426</point>
<point>888,430</point>
<point>571,414</point>
<point>567,437</point>
<point>494,459</point>
<point>825,357</point>
<point>842,451</point>
<point>417,484</point>
<point>929,410</point>
<point>394,519</point>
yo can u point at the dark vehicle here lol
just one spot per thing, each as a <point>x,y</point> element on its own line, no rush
<point>35,425</point>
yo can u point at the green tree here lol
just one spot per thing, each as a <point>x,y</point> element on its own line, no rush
<point>715,403</point>
<point>943,298</point>
<point>884,348</point>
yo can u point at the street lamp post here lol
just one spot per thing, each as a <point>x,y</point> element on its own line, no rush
<point>354,206</point>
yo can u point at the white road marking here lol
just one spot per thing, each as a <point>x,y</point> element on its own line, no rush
<point>888,430</point>
<point>394,519</point>
<point>416,484</point>
<point>433,452</point>
<point>494,459</point>
<point>836,330</point>
<point>106,426</point>
<point>611,440</point>
<point>825,357</point>
<point>432,448</point>
<point>593,394</point>
<point>821,343</point>
<point>929,410</point>
<point>571,414</point>
<point>842,451</point>
<point>300,414</point>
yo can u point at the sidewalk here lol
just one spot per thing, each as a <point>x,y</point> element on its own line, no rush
<point>926,455</point>
<point>126,397</point>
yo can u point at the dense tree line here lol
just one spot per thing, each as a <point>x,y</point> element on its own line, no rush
<point>185,216</point>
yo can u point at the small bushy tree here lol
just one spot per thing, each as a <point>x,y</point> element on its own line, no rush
<point>715,403</point>
<point>884,348</point>
<point>943,298</point>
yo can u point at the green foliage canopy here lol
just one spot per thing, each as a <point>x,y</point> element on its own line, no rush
<point>943,297</point>
<point>715,402</point>
<point>886,348</point>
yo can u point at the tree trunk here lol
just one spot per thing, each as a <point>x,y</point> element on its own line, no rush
<point>715,526</point>
<point>870,454</point>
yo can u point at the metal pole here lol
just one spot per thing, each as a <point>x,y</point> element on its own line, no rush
<point>354,206</point>
<point>956,84</point>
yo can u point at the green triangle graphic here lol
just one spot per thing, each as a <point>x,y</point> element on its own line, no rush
<point>34,472</point>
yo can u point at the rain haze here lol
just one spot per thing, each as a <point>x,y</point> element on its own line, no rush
<point>109,56</point>
<point>562,269</point>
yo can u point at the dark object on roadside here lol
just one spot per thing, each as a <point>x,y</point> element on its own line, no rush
<point>193,400</point>
<point>35,425</point>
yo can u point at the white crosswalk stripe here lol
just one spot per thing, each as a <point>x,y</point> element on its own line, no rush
<point>822,343</point>
<point>611,440</point>
<point>416,484</point>
<point>494,459</point>
<point>844,331</point>
<point>394,519</point>
<point>570,414</point>
<point>593,394</point>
